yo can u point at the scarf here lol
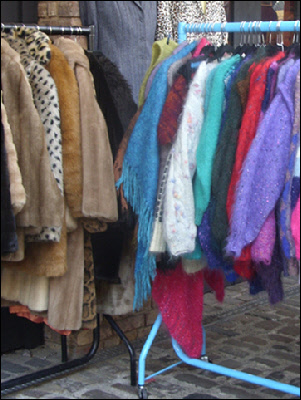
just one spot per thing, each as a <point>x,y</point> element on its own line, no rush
<point>140,175</point>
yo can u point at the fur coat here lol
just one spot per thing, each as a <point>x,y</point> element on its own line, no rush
<point>43,202</point>
<point>114,97</point>
<point>99,193</point>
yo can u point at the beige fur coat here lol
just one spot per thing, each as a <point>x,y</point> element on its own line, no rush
<point>44,203</point>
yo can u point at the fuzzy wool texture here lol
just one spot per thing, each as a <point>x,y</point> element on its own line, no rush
<point>140,175</point>
<point>263,177</point>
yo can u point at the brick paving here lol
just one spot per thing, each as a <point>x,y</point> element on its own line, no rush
<point>244,333</point>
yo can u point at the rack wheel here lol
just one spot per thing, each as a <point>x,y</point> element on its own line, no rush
<point>142,393</point>
<point>206,359</point>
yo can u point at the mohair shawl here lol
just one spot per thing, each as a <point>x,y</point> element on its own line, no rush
<point>263,176</point>
<point>140,175</point>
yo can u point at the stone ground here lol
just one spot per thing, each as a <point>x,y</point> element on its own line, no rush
<point>244,333</point>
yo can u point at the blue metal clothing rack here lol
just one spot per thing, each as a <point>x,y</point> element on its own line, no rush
<point>203,362</point>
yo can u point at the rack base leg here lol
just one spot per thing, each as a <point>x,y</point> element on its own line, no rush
<point>130,348</point>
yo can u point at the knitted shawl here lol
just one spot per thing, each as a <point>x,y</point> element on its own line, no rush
<point>180,229</point>
<point>208,140</point>
<point>263,175</point>
<point>140,175</point>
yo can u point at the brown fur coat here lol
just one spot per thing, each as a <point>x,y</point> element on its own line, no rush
<point>99,193</point>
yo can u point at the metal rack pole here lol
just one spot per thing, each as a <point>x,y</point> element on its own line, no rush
<point>244,26</point>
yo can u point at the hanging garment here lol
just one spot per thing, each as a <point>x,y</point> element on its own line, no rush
<point>170,13</point>
<point>140,174</point>
<point>99,195</point>
<point>43,201</point>
<point>263,189</point>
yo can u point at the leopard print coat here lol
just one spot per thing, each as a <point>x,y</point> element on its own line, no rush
<point>170,13</point>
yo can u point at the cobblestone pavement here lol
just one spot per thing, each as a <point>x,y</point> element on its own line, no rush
<point>244,333</point>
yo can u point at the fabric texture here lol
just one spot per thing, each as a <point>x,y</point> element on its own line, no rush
<point>128,26</point>
<point>140,175</point>
<point>259,189</point>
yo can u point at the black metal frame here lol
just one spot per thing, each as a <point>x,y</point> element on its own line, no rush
<point>15,384</point>
<point>24,381</point>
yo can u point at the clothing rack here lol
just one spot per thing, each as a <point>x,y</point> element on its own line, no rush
<point>240,27</point>
<point>204,362</point>
<point>24,381</point>
<point>58,30</point>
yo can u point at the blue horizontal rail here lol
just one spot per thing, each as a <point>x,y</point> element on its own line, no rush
<point>244,26</point>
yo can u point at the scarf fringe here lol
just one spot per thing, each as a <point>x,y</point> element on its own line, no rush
<point>145,266</point>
